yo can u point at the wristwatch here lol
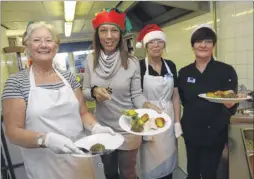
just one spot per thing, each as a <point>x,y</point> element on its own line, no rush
<point>40,141</point>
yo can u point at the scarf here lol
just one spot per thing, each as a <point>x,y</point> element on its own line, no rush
<point>108,65</point>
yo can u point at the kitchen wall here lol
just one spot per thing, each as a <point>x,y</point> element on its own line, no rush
<point>9,62</point>
<point>9,66</point>
<point>235,38</point>
<point>4,69</point>
<point>235,34</point>
<point>178,47</point>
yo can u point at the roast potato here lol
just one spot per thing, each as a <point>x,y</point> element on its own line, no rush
<point>160,122</point>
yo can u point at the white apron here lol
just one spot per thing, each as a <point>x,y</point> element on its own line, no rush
<point>54,111</point>
<point>158,157</point>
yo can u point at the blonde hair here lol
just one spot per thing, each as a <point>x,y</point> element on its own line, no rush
<point>33,26</point>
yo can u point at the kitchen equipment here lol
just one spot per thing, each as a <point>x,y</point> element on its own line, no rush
<point>248,139</point>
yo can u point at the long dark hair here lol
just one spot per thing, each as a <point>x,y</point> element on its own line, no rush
<point>97,47</point>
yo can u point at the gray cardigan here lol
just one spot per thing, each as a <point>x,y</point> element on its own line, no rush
<point>126,90</point>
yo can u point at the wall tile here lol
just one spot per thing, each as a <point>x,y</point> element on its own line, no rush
<point>250,58</point>
<point>229,58</point>
<point>228,45</point>
<point>250,72</point>
<point>241,71</point>
<point>240,44</point>
<point>243,81</point>
<point>249,42</point>
<point>249,84</point>
<point>241,57</point>
<point>227,31</point>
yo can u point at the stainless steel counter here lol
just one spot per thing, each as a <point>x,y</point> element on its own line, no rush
<point>238,165</point>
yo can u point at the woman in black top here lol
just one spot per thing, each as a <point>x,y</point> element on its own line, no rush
<point>158,154</point>
<point>205,123</point>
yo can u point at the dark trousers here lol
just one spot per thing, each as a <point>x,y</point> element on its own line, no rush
<point>170,176</point>
<point>203,161</point>
<point>123,161</point>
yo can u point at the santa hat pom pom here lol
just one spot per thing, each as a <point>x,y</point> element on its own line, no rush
<point>138,45</point>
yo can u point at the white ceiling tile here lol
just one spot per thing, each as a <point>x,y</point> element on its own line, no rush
<point>78,25</point>
<point>54,8</point>
<point>83,8</point>
<point>59,25</point>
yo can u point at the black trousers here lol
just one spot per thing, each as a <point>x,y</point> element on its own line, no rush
<point>123,161</point>
<point>203,161</point>
<point>170,176</point>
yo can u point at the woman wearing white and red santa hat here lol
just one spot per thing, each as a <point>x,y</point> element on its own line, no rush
<point>158,154</point>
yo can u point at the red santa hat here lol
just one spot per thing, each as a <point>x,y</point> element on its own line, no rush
<point>148,33</point>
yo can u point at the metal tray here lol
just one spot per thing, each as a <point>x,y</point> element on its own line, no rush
<point>248,139</point>
<point>247,135</point>
<point>250,158</point>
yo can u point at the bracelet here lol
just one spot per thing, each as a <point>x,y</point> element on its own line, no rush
<point>92,94</point>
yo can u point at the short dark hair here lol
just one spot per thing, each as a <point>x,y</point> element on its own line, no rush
<point>202,34</point>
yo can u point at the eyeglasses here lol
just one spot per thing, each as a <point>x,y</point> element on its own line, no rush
<point>206,41</point>
<point>154,42</point>
<point>41,41</point>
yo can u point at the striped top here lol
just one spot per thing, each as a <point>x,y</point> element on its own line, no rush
<point>18,84</point>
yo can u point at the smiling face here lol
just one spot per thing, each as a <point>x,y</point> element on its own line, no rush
<point>203,41</point>
<point>203,48</point>
<point>41,45</point>
<point>109,36</point>
<point>155,47</point>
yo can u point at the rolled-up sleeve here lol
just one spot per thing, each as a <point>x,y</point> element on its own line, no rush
<point>87,79</point>
<point>137,96</point>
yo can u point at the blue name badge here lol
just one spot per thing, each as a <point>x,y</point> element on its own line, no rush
<point>167,76</point>
<point>191,80</point>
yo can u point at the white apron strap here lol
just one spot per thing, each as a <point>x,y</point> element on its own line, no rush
<point>147,69</point>
<point>167,67</point>
<point>32,79</point>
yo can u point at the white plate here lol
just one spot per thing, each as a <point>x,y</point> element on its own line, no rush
<point>223,100</point>
<point>125,122</point>
<point>109,141</point>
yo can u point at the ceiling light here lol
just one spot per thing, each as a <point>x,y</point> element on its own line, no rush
<point>69,10</point>
<point>67,28</point>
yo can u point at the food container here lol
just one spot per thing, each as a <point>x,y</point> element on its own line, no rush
<point>247,135</point>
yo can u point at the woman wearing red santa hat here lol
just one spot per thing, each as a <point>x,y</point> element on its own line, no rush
<point>112,79</point>
<point>205,124</point>
<point>158,154</point>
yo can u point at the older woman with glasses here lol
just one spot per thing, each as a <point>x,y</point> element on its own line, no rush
<point>158,154</point>
<point>44,112</point>
<point>205,124</point>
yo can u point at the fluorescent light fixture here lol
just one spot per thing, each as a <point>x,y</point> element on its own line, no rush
<point>243,13</point>
<point>67,28</point>
<point>69,10</point>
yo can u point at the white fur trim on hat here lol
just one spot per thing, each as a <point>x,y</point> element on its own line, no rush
<point>138,45</point>
<point>201,26</point>
<point>157,34</point>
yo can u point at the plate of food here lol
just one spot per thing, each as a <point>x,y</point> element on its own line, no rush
<point>144,122</point>
<point>224,97</point>
<point>99,144</point>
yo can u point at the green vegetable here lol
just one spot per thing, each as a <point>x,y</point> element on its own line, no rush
<point>97,148</point>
